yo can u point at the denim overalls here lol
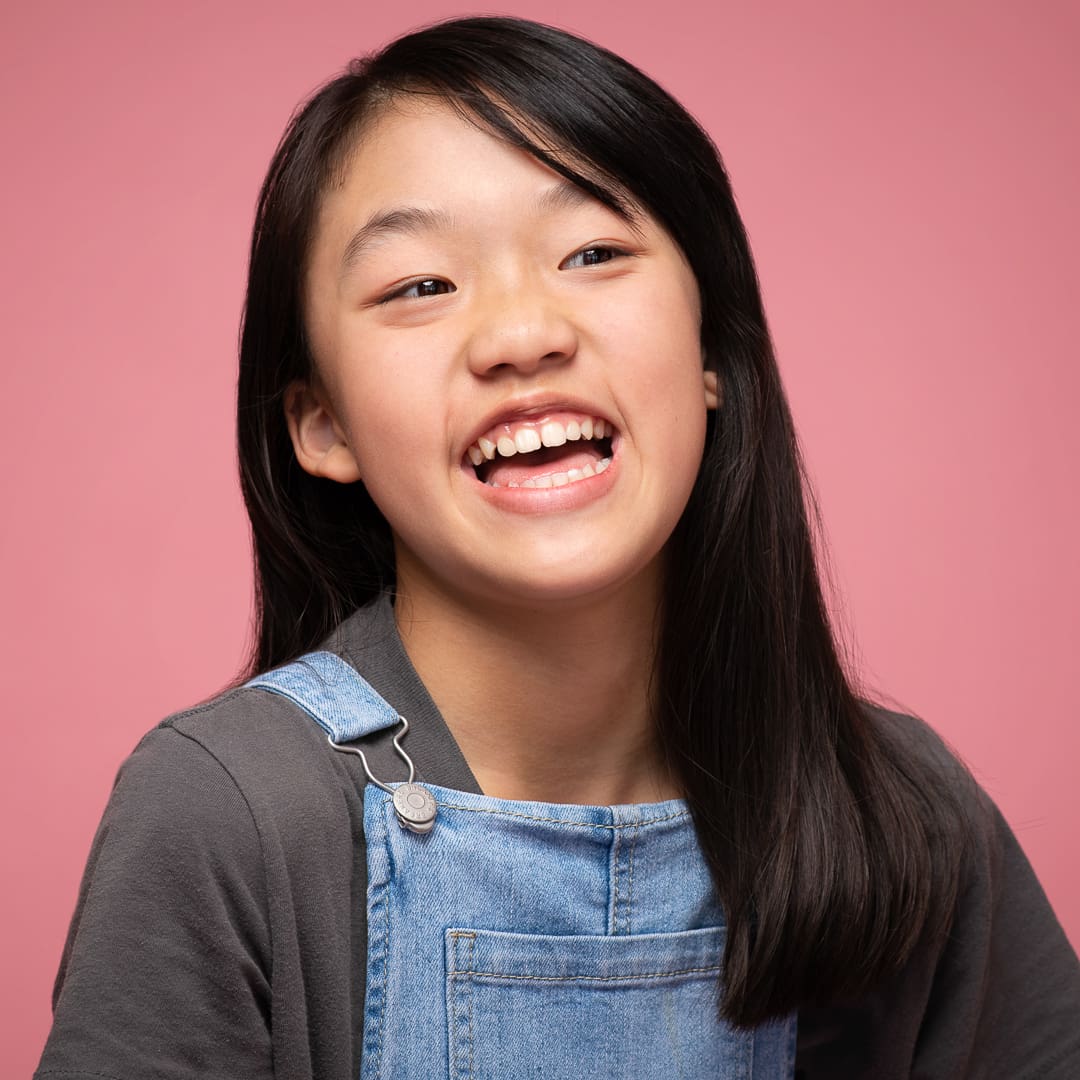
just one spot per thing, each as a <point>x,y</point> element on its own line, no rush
<point>521,939</point>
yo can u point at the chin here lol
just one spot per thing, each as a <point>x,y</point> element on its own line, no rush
<point>570,582</point>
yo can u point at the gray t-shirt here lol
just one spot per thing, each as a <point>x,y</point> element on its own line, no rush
<point>220,926</point>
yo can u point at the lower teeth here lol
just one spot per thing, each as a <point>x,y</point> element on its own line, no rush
<point>559,479</point>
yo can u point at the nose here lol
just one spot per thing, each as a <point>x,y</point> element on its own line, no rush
<point>520,330</point>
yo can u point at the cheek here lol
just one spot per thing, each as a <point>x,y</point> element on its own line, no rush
<point>669,373</point>
<point>677,385</point>
<point>397,433</point>
<point>382,406</point>
<point>664,313</point>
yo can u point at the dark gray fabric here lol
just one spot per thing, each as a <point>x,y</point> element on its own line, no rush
<point>219,929</point>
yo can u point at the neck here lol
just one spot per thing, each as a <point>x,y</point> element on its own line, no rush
<point>547,704</point>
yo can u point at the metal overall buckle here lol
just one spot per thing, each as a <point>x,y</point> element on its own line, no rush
<point>414,805</point>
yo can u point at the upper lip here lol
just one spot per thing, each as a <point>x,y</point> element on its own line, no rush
<point>533,407</point>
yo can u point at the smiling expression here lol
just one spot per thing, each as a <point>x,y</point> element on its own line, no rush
<point>513,369</point>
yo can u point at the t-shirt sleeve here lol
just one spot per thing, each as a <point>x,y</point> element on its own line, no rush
<point>166,970</point>
<point>1005,998</point>
<point>999,997</point>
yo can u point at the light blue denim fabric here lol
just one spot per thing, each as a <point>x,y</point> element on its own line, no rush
<point>538,940</point>
<point>332,694</point>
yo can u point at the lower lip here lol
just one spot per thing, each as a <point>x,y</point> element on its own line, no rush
<point>572,496</point>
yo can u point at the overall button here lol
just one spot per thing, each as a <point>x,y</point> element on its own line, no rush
<point>415,808</point>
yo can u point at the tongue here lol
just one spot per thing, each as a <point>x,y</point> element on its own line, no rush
<point>544,462</point>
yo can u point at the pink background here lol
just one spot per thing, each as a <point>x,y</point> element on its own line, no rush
<point>909,179</point>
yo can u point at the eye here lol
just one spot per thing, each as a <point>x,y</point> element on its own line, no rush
<point>418,290</point>
<point>593,255</point>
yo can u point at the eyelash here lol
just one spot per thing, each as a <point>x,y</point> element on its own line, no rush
<point>402,293</point>
<point>610,250</point>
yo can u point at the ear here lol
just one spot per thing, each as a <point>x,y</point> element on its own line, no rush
<point>318,441</point>
<point>713,394</point>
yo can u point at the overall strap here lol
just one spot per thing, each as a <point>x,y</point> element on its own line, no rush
<point>335,696</point>
<point>332,693</point>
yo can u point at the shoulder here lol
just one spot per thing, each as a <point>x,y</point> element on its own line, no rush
<point>915,738</point>
<point>246,764</point>
<point>1000,993</point>
<point>936,776</point>
<point>246,725</point>
<point>991,858</point>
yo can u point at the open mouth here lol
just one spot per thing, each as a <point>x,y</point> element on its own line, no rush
<point>551,452</point>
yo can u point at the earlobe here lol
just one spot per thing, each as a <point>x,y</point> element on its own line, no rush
<point>713,393</point>
<point>318,442</point>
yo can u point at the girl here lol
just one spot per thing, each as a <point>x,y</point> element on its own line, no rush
<point>530,529</point>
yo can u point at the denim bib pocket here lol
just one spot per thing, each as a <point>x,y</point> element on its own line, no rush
<point>550,1006</point>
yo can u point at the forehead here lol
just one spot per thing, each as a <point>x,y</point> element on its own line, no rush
<point>422,151</point>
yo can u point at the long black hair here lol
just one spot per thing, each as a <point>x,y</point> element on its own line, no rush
<point>832,848</point>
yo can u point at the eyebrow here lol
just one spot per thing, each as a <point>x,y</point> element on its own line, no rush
<point>563,196</point>
<point>413,220</point>
<point>400,221</point>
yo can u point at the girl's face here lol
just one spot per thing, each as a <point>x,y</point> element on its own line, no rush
<point>513,370</point>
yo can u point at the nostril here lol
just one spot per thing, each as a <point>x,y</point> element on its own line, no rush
<point>520,346</point>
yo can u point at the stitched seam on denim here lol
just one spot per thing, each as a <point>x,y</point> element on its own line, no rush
<point>563,821</point>
<point>616,840</point>
<point>452,1011</point>
<point>630,889</point>
<point>622,894</point>
<point>386,957</point>
<point>590,978</point>
<point>470,939</point>
<point>374,1036</point>
<point>472,1060</point>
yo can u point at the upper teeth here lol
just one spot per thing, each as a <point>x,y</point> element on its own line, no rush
<point>527,439</point>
